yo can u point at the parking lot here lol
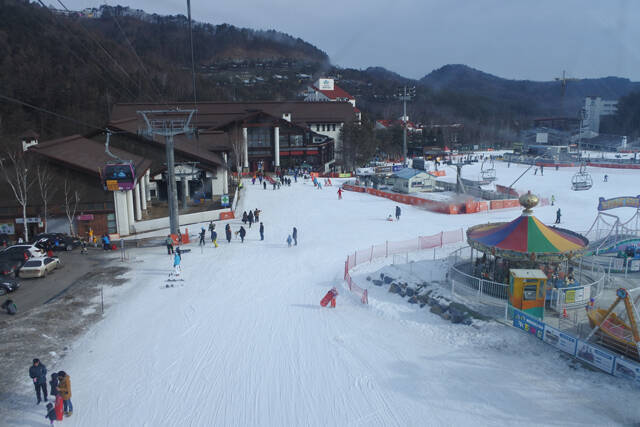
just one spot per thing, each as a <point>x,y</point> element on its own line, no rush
<point>76,272</point>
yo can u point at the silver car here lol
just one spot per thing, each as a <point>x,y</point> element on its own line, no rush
<point>39,267</point>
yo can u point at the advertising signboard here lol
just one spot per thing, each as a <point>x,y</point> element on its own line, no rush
<point>619,202</point>
<point>7,228</point>
<point>560,340</point>
<point>627,369</point>
<point>595,356</point>
<point>528,324</point>
<point>224,200</point>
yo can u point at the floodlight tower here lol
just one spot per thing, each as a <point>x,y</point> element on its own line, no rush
<point>405,94</point>
<point>169,123</point>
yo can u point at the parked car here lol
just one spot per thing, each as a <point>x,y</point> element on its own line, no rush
<point>8,285</point>
<point>33,250</point>
<point>39,267</point>
<point>64,241</point>
<point>5,240</point>
<point>10,265</point>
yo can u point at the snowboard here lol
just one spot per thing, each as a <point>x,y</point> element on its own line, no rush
<point>59,407</point>
<point>327,298</point>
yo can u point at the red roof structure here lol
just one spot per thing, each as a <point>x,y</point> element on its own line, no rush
<point>335,94</point>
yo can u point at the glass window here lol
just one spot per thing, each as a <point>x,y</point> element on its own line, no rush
<point>111,224</point>
<point>259,137</point>
<point>333,127</point>
<point>317,128</point>
<point>297,140</point>
<point>529,292</point>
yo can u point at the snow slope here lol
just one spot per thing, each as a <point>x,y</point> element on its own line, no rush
<point>245,342</point>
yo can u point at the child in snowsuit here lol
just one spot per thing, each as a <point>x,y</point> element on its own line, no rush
<point>214,238</point>
<point>51,413</point>
<point>330,297</point>
<point>289,240</point>
<point>176,264</point>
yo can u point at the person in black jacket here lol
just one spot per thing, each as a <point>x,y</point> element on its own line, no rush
<point>398,213</point>
<point>261,231</point>
<point>295,236</point>
<point>227,232</point>
<point>51,413</point>
<point>250,218</point>
<point>53,384</point>
<point>242,233</point>
<point>38,372</point>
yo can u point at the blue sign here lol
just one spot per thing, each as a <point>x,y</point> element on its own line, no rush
<point>595,356</point>
<point>528,324</point>
<point>396,168</point>
<point>560,340</point>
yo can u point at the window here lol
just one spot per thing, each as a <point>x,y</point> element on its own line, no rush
<point>34,263</point>
<point>333,127</point>
<point>259,137</point>
<point>529,292</point>
<point>111,224</point>
<point>317,128</point>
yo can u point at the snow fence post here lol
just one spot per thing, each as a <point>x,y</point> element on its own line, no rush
<point>371,256</point>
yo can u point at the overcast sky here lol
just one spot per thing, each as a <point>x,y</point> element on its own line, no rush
<point>519,39</point>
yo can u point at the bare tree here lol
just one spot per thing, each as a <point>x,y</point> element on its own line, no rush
<point>18,173</point>
<point>237,144</point>
<point>71,200</point>
<point>46,185</point>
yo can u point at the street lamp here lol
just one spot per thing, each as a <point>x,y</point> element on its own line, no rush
<point>405,94</point>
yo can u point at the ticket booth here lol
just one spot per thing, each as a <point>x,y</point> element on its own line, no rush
<point>527,291</point>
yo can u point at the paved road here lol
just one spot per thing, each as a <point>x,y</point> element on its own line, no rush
<point>35,292</point>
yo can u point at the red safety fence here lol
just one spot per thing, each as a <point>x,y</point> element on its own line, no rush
<point>614,165</point>
<point>387,248</point>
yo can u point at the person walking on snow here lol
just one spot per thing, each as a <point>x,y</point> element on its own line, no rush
<point>398,212</point>
<point>295,236</point>
<point>53,384</point>
<point>553,199</point>
<point>38,373</point>
<point>289,240</point>
<point>51,413</point>
<point>245,218</point>
<point>250,218</point>
<point>261,231</point>
<point>339,193</point>
<point>64,387</point>
<point>202,234</point>
<point>256,215</point>
<point>214,238</point>
<point>558,215</point>
<point>242,233</point>
<point>227,232</point>
<point>264,184</point>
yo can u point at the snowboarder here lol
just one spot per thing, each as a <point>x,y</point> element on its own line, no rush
<point>553,199</point>
<point>558,215</point>
<point>330,297</point>
<point>261,231</point>
<point>242,232</point>
<point>38,372</point>
<point>202,234</point>
<point>227,232</point>
<point>51,413</point>
<point>169,243</point>
<point>176,263</point>
<point>289,240</point>
<point>10,307</point>
<point>398,212</point>
<point>339,193</point>
<point>64,387</point>
<point>295,236</point>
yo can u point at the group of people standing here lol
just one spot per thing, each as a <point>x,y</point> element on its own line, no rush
<point>59,386</point>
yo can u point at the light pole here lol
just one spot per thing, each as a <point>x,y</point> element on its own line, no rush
<point>405,94</point>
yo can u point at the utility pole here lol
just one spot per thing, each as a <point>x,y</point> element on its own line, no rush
<point>405,94</point>
<point>169,123</point>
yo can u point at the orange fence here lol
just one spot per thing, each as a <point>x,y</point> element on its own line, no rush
<point>438,173</point>
<point>614,165</point>
<point>390,248</point>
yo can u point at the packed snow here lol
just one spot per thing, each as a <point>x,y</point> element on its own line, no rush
<point>244,341</point>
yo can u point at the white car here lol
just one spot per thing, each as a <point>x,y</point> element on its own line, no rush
<point>39,267</point>
<point>33,250</point>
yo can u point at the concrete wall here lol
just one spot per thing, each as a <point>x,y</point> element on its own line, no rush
<point>185,219</point>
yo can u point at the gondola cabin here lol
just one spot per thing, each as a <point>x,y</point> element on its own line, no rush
<point>119,176</point>
<point>527,291</point>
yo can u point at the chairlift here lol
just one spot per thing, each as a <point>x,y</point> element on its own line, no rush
<point>582,179</point>
<point>117,175</point>
<point>489,172</point>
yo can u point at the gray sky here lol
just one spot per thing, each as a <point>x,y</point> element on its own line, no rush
<point>534,39</point>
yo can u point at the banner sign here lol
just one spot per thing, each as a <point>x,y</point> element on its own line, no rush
<point>224,200</point>
<point>560,340</point>
<point>627,369</point>
<point>528,324</point>
<point>32,220</point>
<point>7,228</point>
<point>619,202</point>
<point>85,217</point>
<point>595,356</point>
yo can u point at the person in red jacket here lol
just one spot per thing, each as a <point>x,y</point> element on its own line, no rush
<point>339,193</point>
<point>330,297</point>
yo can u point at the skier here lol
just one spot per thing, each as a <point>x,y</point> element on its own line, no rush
<point>250,218</point>
<point>176,263</point>
<point>169,242</point>
<point>38,372</point>
<point>214,238</point>
<point>339,193</point>
<point>64,387</point>
<point>10,306</point>
<point>558,215</point>
<point>330,297</point>
<point>606,178</point>
<point>553,199</point>
<point>212,230</point>
<point>203,232</point>
<point>261,231</point>
<point>242,233</point>
<point>289,240</point>
<point>398,212</point>
<point>227,232</point>
<point>295,236</point>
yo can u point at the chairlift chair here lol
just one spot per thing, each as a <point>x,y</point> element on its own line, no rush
<point>581,180</point>
<point>489,173</point>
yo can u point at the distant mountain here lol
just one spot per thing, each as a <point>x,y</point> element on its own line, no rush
<point>542,98</point>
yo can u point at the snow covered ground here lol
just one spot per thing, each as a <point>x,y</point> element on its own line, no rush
<point>245,343</point>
